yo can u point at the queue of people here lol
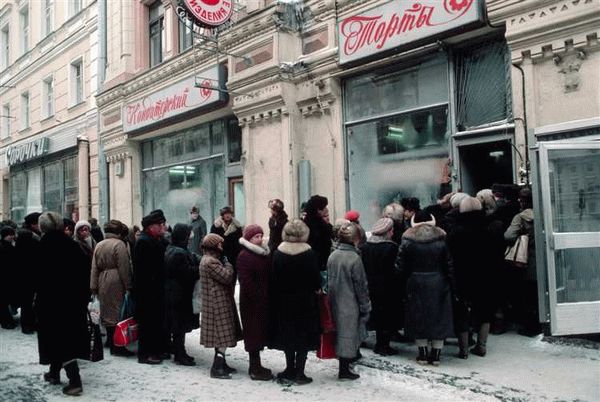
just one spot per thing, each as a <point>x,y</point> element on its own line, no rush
<point>422,275</point>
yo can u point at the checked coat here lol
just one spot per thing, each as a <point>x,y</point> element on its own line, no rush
<point>219,326</point>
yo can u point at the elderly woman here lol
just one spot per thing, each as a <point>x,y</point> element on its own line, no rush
<point>111,278</point>
<point>423,258</point>
<point>62,295</point>
<point>84,238</point>
<point>395,212</point>
<point>295,283</point>
<point>349,296</point>
<point>220,327</point>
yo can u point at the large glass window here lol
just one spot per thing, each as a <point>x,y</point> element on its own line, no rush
<point>53,187</point>
<point>18,196</point>
<point>71,189</point>
<point>156,30</point>
<point>48,97</point>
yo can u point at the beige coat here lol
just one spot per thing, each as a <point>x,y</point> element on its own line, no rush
<point>111,277</point>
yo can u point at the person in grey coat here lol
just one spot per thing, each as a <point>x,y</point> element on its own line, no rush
<point>349,296</point>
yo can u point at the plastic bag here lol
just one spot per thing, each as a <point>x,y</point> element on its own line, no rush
<point>94,309</point>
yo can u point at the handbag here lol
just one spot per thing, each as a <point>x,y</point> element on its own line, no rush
<point>327,346</point>
<point>325,314</point>
<point>96,350</point>
<point>516,255</point>
<point>126,332</point>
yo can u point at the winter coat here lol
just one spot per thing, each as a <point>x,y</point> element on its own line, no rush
<point>295,282</point>
<point>62,295</point>
<point>319,239</point>
<point>8,276</point>
<point>27,246</point>
<point>254,270</point>
<point>276,225</point>
<point>219,326</point>
<point>199,230</point>
<point>149,293</point>
<point>423,258</point>
<point>181,274</point>
<point>231,234</point>
<point>349,296</point>
<point>522,224</point>
<point>87,247</point>
<point>470,246</point>
<point>110,277</point>
<point>386,290</point>
<point>96,233</point>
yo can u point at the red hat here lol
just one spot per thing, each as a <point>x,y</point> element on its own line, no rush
<point>352,215</point>
<point>252,230</point>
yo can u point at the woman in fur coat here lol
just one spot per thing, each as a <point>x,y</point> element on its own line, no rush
<point>423,258</point>
<point>254,267</point>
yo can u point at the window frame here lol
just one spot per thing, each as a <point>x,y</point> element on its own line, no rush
<point>48,97</point>
<point>152,21</point>
<point>77,82</point>
<point>75,7</point>
<point>5,121</point>
<point>184,36</point>
<point>24,27</point>
<point>25,111</point>
<point>47,17</point>
<point>5,43</point>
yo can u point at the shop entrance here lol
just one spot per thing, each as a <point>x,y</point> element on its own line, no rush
<point>483,164</point>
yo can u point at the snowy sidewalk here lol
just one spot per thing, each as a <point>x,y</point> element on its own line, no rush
<point>516,369</point>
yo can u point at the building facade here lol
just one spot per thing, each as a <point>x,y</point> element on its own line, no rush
<point>48,123</point>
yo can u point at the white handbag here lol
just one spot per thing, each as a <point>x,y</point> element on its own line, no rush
<point>516,255</point>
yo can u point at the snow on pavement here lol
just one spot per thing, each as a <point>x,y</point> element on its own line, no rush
<point>516,369</point>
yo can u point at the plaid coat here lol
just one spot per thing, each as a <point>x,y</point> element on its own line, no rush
<point>220,325</point>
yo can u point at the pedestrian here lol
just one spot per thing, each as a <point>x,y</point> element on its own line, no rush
<point>84,238</point>
<point>254,270</point>
<point>69,227</point>
<point>8,270</point>
<point>111,279</point>
<point>349,296</point>
<point>470,248</point>
<point>277,221</point>
<point>354,216</point>
<point>230,230</point>
<point>320,237</point>
<point>395,212</point>
<point>220,326</point>
<point>423,259</point>
<point>295,283</point>
<point>452,214</point>
<point>27,246</point>
<point>385,290</point>
<point>182,272</point>
<point>95,230</point>
<point>62,295</point>
<point>198,228</point>
<point>411,206</point>
<point>149,289</point>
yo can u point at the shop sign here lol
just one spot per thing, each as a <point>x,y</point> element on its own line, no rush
<point>28,151</point>
<point>175,99</point>
<point>402,23</point>
<point>209,13</point>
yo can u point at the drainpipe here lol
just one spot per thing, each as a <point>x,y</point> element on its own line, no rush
<point>102,61</point>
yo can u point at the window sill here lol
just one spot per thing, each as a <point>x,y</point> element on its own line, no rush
<point>48,118</point>
<point>75,105</point>
<point>24,130</point>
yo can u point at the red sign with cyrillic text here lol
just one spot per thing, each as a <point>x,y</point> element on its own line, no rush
<point>210,12</point>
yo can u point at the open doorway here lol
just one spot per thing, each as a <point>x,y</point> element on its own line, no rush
<point>483,164</point>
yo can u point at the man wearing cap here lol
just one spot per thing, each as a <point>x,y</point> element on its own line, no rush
<point>198,228</point>
<point>230,230</point>
<point>27,245</point>
<point>149,289</point>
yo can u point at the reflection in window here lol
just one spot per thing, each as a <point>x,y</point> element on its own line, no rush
<point>18,196</point>
<point>577,275</point>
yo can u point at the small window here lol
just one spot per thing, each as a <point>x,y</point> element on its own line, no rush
<point>5,121</point>
<point>48,17</point>
<point>48,97</point>
<point>25,110</point>
<point>156,29</point>
<point>5,38</point>
<point>186,36</point>
<point>24,20</point>
<point>75,7</point>
<point>76,82</point>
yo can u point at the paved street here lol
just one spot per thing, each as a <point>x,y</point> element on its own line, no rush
<point>516,369</point>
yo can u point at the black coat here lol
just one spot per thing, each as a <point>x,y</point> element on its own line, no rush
<point>182,272</point>
<point>319,239</point>
<point>62,295</point>
<point>276,224</point>
<point>231,245</point>
<point>385,288</point>
<point>27,247</point>
<point>295,282</point>
<point>8,279</point>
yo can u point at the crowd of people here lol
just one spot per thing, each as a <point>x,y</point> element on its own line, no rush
<point>419,275</point>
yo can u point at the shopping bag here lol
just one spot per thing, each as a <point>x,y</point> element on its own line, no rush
<point>327,321</point>
<point>127,307</point>
<point>96,351</point>
<point>126,332</point>
<point>516,255</point>
<point>94,309</point>
<point>327,346</point>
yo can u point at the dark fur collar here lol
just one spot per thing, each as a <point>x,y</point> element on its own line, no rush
<point>424,234</point>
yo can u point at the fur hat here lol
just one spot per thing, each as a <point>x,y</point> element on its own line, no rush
<point>382,226</point>
<point>469,204</point>
<point>252,230</point>
<point>81,224</point>
<point>50,221</point>
<point>276,205</point>
<point>181,234</point>
<point>352,215</point>
<point>315,203</point>
<point>226,210</point>
<point>32,218</point>
<point>347,233</point>
<point>295,231</point>
<point>394,211</point>
<point>6,231</point>
<point>457,198</point>
<point>69,223</point>
<point>156,216</point>
<point>410,203</point>
<point>116,227</point>
<point>422,218</point>
<point>211,241</point>
<point>488,202</point>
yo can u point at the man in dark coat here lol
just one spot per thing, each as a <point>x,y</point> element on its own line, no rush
<point>182,272</point>
<point>320,236</point>
<point>149,289</point>
<point>7,275</point>
<point>96,230</point>
<point>230,230</point>
<point>277,221</point>
<point>62,295</point>
<point>27,245</point>
<point>198,228</point>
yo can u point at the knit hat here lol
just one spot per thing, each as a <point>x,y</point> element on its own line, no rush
<point>352,215</point>
<point>156,216</point>
<point>181,234</point>
<point>81,224</point>
<point>226,210</point>
<point>6,231</point>
<point>457,198</point>
<point>32,218</point>
<point>295,231</point>
<point>382,226</point>
<point>252,230</point>
<point>469,204</point>
<point>211,241</point>
<point>422,218</point>
<point>394,211</point>
<point>50,221</point>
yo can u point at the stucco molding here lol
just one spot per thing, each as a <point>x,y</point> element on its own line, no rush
<point>120,155</point>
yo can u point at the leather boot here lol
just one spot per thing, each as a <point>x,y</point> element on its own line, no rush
<point>434,356</point>
<point>344,372</point>
<point>218,367</point>
<point>463,345</point>
<point>301,378</point>
<point>290,367</point>
<point>422,357</point>
<point>256,371</point>
<point>74,388</point>
<point>53,375</point>
<point>480,349</point>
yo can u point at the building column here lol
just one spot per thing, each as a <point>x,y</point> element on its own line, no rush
<point>83,171</point>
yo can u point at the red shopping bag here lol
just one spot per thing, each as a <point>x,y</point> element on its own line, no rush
<point>327,346</point>
<point>126,332</point>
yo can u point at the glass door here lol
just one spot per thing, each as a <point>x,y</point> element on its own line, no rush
<point>570,184</point>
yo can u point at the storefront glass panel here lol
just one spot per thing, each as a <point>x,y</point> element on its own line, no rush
<point>71,189</point>
<point>18,192</point>
<point>34,197</point>
<point>52,187</point>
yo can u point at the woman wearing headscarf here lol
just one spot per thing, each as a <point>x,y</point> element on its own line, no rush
<point>349,295</point>
<point>219,327</point>
<point>295,283</point>
<point>254,268</point>
<point>84,238</point>
<point>111,279</point>
<point>424,260</point>
<point>277,221</point>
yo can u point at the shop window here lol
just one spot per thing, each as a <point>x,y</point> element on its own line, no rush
<point>234,141</point>
<point>52,187</point>
<point>217,139</point>
<point>18,196</point>
<point>482,84</point>
<point>156,30</point>
<point>47,17</point>
<point>71,189</point>
<point>5,49</point>
<point>24,21</point>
